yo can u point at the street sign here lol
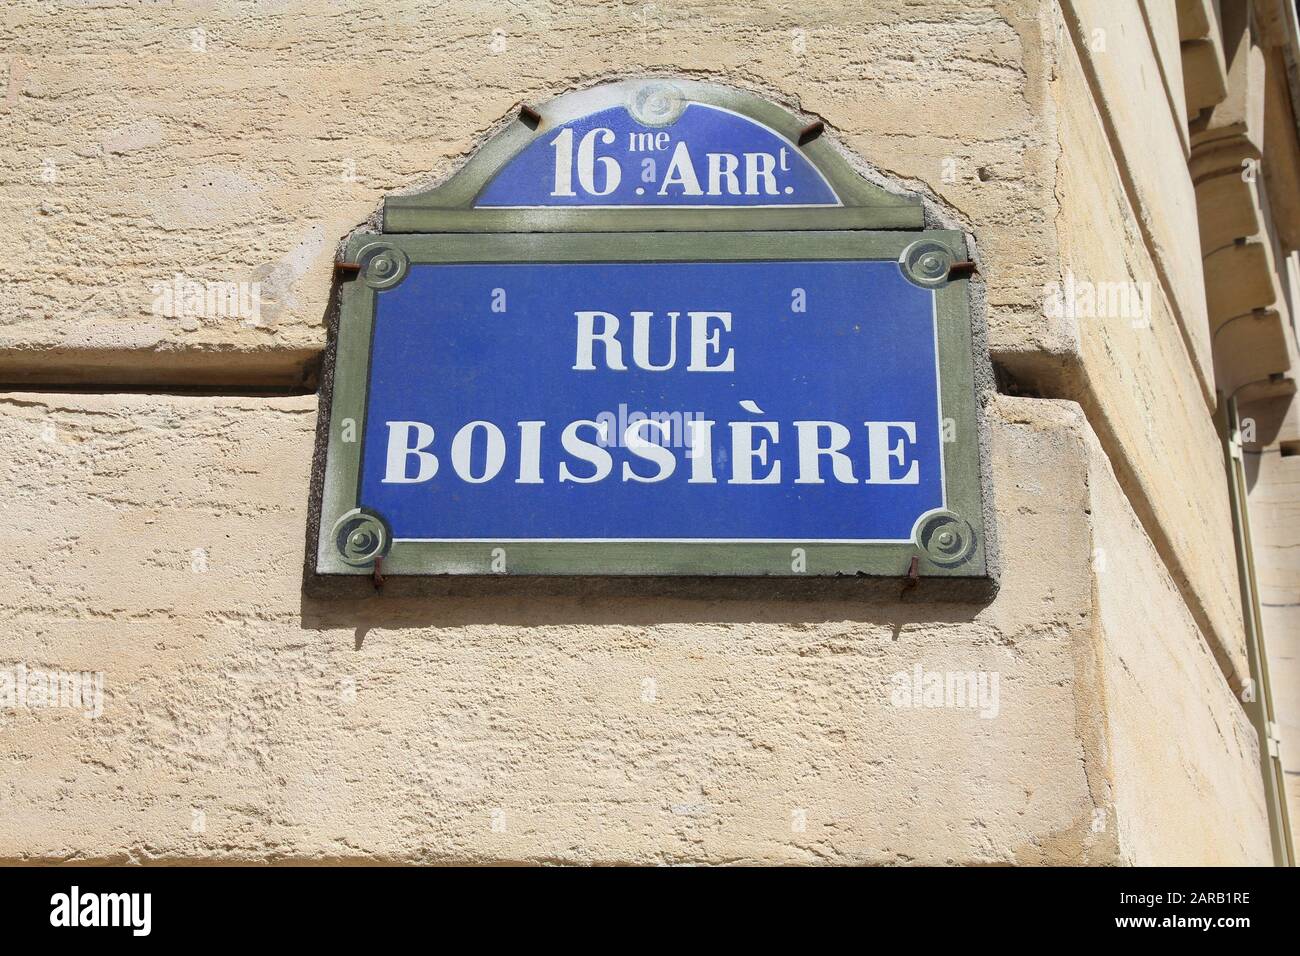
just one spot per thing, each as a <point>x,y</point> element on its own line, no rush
<point>664,402</point>
<point>698,156</point>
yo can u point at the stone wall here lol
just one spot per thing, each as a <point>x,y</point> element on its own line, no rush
<point>157,468</point>
<point>242,721</point>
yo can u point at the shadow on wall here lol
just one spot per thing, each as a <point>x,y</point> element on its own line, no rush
<point>576,602</point>
<point>1262,422</point>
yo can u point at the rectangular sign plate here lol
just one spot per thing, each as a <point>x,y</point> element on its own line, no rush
<point>618,404</point>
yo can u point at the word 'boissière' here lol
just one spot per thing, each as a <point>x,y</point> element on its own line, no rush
<point>869,452</point>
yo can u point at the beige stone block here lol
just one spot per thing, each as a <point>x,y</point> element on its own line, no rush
<point>1241,111</point>
<point>1249,321</point>
<point>1250,348</point>
<point>1273,421</point>
<point>242,721</point>
<point>1281,630</point>
<point>1197,18</point>
<point>159,538</point>
<point>1273,477</point>
<point>1161,17</point>
<point>1135,378</point>
<point>264,147</point>
<point>1239,279</point>
<point>1229,209</point>
<point>1220,155</point>
<point>441,730</point>
<point>1184,766</point>
<point>981,143</point>
<point>1142,126</point>
<point>1274,500</point>
<point>1205,81</point>
<point>1281,165</point>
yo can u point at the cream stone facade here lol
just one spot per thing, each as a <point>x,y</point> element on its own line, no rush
<point>1145,462</point>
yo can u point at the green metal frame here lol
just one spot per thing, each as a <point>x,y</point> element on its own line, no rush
<point>947,544</point>
<point>442,225</point>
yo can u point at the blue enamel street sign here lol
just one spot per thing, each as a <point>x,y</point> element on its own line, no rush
<point>733,401</point>
<point>665,391</point>
<point>706,156</point>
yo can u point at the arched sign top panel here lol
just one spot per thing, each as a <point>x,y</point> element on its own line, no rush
<point>657,154</point>
<point>704,156</point>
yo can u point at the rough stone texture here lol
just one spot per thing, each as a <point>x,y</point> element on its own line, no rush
<point>246,151</point>
<point>1272,466</point>
<point>1282,142</point>
<point>1162,28</point>
<point>225,690</point>
<point>1139,389</point>
<point>629,731</point>
<point>1276,513</point>
<point>1187,789</point>
<point>1144,125</point>
<point>250,158</point>
<point>1204,77</point>
<point>240,143</point>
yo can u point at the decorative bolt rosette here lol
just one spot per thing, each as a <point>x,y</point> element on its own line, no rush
<point>361,536</point>
<point>926,263</point>
<point>946,539</point>
<point>382,266</point>
<point>657,104</point>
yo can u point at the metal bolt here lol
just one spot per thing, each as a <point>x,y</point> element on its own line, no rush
<point>811,132</point>
<point>932,264</point>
